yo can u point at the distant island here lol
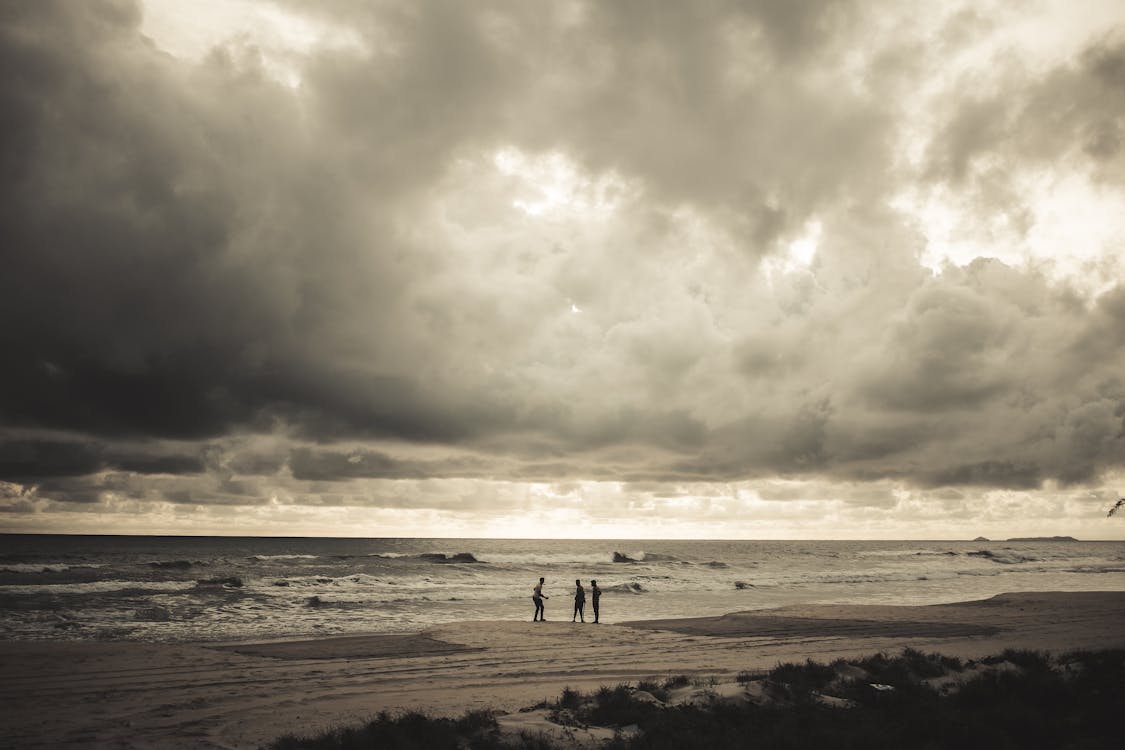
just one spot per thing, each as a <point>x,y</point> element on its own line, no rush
<point>982,539</point>
<point>1043,539</point>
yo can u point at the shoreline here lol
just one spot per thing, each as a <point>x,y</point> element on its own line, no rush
<point>244,694</point>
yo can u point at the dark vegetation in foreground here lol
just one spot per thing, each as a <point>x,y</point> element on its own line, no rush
<point>1020,699</point>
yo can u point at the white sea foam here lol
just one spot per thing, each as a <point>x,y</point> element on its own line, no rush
<point>896,553</point>
<point>546,560</point>
<point>97,587</point>
<point>35,567</point>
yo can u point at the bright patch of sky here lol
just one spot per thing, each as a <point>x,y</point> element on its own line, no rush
<point>192,30</point>
<point>1066,226</point>
<point>552,184</point>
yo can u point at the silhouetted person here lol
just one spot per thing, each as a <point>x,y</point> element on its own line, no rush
<point>538,596</point>
<point>595,595</point>
<point>579,601</point>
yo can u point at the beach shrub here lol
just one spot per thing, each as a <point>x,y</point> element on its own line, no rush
<point>571,699</point>
<point>606,707</point>
<point>405,731</point>
<point>653,688</point>
<point>901,671</point>
<point>1023,658</point>
<point>923,666</point>
<point>615,707</point>
<point>677,681</point>
<point>803,679</point>
<point>482,719</point>
<point>527,741</point>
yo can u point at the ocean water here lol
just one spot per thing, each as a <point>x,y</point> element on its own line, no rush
<point>230,588</point>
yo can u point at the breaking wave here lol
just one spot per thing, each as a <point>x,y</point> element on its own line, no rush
<point>440,557</point>
<point>1002,557</point>
<point>98,587</point>
<point>41,567</point>
<point>174,564</point>
<point>656,557</point>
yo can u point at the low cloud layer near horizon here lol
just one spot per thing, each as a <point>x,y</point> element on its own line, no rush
<point>753,268</point>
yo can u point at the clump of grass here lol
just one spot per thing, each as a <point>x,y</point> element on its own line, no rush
<point>477,720</point>
<point>410,729</point>
<point>803,679</point>
<point>653,688</point>
<point>929,665</point>
<point>570,699</point>
<point>615,707</point>
<point>1023,658</point>
<point>566,709</point>
<point>909,668</point>
<point>606,707</point>
<point>677,681</point>
<point>527,741</point>
<point>745,677</point>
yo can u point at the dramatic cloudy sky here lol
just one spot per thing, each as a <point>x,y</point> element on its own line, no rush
<point>713,268</point>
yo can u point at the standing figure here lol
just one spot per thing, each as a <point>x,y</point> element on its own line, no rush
<point>579,601</point>
<point>595,595</point>
<point>538,596</point>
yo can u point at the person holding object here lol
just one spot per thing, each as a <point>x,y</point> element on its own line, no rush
<point>579,601</point>
<point>538,596</point>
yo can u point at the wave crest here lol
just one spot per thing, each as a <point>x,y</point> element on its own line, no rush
<point>440,557</point>
<point>1002,557</point>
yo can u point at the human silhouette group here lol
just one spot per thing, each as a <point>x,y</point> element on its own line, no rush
<point>537,596</point>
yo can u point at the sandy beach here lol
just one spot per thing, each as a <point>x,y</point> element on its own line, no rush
<point>242,695</point>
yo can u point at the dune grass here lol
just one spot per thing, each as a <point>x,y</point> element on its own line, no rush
<point>1017,699</point>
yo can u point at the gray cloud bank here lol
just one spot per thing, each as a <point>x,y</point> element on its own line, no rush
<point>214,278</point>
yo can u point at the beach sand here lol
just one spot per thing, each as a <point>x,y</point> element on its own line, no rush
<point>123,695</point>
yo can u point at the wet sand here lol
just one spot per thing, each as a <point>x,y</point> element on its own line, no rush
<point>242,695</point>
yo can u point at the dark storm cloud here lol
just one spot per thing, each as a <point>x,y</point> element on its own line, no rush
<point>988,474</point>
<point>173,248</point>
<point>24,459</point>
<point>320,465</point>
<point>330,284</point>
<point>207,251</point>
<point>121,324</point>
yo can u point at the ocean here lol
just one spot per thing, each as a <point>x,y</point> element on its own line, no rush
<point>148,588</point>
